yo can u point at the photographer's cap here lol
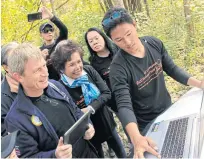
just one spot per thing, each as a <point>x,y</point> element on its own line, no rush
<point>45,25</point>
<point>8,143</point>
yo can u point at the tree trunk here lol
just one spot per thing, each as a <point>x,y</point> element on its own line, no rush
<point>102,6</point>
<point>187,12</point>
<point>125,4</point>
<point>118,3</point>
<point>147,8</point>
<point>105,4</point>
<point>134,6</point>
<point>110,4</point>
<point>131,6</point>
<point>137,6</point>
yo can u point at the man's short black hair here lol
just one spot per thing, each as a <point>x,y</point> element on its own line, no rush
<point>124,18</point>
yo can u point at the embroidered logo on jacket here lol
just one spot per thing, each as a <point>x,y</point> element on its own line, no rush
<point>35,120</point>
<point>151,73</point>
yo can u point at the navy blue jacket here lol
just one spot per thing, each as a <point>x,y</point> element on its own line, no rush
<point>36,141</point>
<point>7,98</point>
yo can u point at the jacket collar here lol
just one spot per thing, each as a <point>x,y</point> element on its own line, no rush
<point>26,105</point>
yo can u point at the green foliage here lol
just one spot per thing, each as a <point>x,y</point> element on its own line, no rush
<point>14,20</point>
<point>80,17</point>
<point>167,22</point>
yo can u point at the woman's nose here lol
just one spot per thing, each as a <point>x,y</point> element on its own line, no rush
<point>95,42</point>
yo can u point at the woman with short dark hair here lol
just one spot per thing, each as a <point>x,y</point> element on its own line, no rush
<point>87,88</point>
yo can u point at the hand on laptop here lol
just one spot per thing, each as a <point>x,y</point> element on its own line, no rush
<point>143,144</point>
<point>89,133</point>
<point>63,151</point>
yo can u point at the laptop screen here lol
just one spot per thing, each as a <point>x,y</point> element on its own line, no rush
<point>201,137</point>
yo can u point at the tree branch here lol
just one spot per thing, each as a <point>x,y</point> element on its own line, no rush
<point>62,4</point>
<point>31,26</point>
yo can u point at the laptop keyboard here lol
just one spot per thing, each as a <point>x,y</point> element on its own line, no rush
<point>175,139</point>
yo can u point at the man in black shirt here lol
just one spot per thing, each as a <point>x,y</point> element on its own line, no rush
<point>47,33</point>
<point>137,80</point>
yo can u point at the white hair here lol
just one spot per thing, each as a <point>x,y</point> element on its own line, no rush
<point>20,55</point>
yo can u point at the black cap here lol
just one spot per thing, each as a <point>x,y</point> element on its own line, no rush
<point>45,25</point>
<point>8,144</point>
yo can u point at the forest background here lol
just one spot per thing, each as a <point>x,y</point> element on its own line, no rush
<point>178,23</point>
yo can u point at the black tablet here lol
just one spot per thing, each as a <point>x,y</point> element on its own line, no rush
<point>78,129</point>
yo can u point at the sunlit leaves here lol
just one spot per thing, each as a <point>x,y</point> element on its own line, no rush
<point>167,22</point>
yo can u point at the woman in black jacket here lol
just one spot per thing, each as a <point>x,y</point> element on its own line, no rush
<point>87,88</point>
<point>102,51</point>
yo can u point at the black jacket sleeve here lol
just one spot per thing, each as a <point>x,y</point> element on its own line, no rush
<point>105,93</point>
<point>6,103</point>
<point>170,67</point>
<point>62,28</point>
<point>121,90</point>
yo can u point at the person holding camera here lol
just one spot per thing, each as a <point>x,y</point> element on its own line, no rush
<point>47,33</point>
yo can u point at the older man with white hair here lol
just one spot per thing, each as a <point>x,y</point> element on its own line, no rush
<point>9,86</point>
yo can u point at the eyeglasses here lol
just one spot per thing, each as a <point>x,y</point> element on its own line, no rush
<point>46,30</point>
<point>115,15</point>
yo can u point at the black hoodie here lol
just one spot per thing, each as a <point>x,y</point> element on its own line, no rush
<point>63,36</point>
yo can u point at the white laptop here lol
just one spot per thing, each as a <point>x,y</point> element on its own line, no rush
<point>179,138</point>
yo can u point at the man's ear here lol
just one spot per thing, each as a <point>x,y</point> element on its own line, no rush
<point>17,77</point>
<point>5,67</point>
